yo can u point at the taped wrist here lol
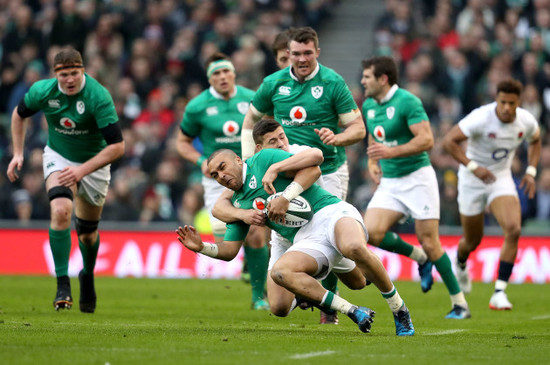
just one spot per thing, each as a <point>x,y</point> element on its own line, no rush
<point>292,191</point>
<point>209,249</point>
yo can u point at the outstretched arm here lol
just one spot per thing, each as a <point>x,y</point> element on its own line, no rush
<point>191,239</point>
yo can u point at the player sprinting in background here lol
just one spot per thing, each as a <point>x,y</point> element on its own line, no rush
<point>311,102</point>
<point>399,136</point>
<point>335,232</point>
<point>493,132</point>
<point>215,117</point>
<point>84,137</point>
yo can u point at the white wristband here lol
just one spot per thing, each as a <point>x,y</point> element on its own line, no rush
<point>292,191</point>
<point>209,249</point>
<point>531,170</point>
<point>472,165</point>
<point>247,144</point>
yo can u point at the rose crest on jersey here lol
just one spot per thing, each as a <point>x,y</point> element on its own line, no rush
<point>67,123</point>
<point>80,107</point>
<point>317,91</point>
<point>390,112</point>
<point>379,133</point>
<point>259,204</point>
<point>242,107</point>
<point>298,114</point>
<point>231,128</point>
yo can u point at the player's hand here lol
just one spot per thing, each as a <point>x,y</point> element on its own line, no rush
<point>378,151</point>
<point>16,164</point>
<point>485,175</point>
<point>327,136</point>
<point>276,209</point>
<point>374,171</point>
<point>267,181</point>
<point>253,217</point>
<point>528,182</point>
<point>70,175</point>
<point>204,169</point>
<point>190,238</point>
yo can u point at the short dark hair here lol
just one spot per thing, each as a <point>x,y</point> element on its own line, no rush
<point>304,35</point>
<point>382,65</point>
<point>510,86</point>
<point>281,40</point>
<point>263,127</point>
<point>67,56</point>
<point>216,56</point>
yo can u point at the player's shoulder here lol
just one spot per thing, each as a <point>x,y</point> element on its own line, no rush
<point>200,101</point>
<point>44,85</point>
<point>405,96</point>
<point>280,76</point>
<point>244,91</point>
<point>525,116</point>
<point>327,74</point>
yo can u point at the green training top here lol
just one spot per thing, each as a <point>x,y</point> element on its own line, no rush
<point>74,121</point>
<point>388,122</point>
<point>253,192</point>
<point>216,121</point>
<point>303,107</point>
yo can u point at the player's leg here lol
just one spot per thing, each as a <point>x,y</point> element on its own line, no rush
<point>427,232</point>
<point>61,206</point>
<point>257,257</point>
<point>472,228</point>
<point>507,212</point>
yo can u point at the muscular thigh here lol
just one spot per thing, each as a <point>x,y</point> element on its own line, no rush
<point>507,210</point>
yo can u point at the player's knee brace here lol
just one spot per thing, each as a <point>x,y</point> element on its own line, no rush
<point>83,226</point>
<point>60,192</point>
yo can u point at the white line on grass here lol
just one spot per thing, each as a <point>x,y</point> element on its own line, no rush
<point>546,316</point>
<point>446,332</point>
<point>312,354</point>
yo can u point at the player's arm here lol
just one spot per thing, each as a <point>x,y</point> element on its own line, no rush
<point>191,239</point>
<point>248,146</point>
<point>353,130</point>
<point>306,158</point>
<point>374,169</point>
<point>184,146</point>
<point>225,211</point>
<point>19,122</point>
<point>422,140</point>
<point>533,157</point>
<point>113,151</point>
<point>451,143</point>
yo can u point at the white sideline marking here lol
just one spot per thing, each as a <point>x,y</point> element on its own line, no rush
<point>546,316</point>
<point>312,354</point>
<point>446,332</point>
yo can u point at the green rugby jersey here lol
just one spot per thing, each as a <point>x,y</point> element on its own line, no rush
<point>74,121</point>
<point>388,122</point>
<point>216,121</point>
<point>303,107</point>
<point>253,191</point>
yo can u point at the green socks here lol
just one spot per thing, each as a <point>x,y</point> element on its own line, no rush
<point>330,283</point>
<point>89,255</point>
<point>443,266</point>
<point>257,260</point>
<point>60,244</point>
<point>393,243</point>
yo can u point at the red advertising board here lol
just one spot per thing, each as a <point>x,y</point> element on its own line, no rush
<point>159,254</point>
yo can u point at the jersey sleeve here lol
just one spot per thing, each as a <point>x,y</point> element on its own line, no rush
<point>188,125</point>
<point>414,111</point>
<point>471,124</point>
<point>33,99</point>
<point>105,112</point>
<point>532,126</point>
<point>262,99</point>
<point>236,231</point>
<point>343,100</point>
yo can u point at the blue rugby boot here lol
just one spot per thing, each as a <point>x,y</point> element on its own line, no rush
<point>403,323</point>
<point>426,278</point>
<point>363,316</point>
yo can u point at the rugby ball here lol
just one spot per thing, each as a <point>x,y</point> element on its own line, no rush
<point>299,211</point>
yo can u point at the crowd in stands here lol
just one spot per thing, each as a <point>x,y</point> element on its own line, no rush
<point>150,53</point>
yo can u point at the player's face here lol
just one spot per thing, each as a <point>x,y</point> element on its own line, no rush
<point>303,57</point>
<point>227,170</point>
<point>371,84</point>
<point>275,139</point>
<point>506,106</point>
<point>282,58</point>
<point>223,81</point>
<point>70,80</point>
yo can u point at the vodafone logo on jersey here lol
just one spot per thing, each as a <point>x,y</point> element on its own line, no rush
<point>259,204</point>
<point>298,114</point>
<point>379,133</point>
<point>231,128</point>
<point>67,123</point>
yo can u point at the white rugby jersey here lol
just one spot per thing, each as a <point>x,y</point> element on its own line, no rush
<point>491,143</point>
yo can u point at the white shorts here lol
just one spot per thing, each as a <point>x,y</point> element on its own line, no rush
<point>474,195</point>
<point>212,191</point>
<point>337,182</point>
<point>415,195</point>
<point>93,187</point>
<point>316,239</point>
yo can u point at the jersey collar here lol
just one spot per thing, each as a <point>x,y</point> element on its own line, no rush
<point>81,86</point>
<point>308,77</point>
<point>390,94</point>
<point>217,95</point>
<point>245,167</point>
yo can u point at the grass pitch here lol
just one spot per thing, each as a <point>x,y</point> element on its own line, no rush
<point>147,321</point>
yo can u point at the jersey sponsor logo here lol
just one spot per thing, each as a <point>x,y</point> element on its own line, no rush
<point>212,110</point>
<point>230,128</point>
<point>284,90</point>
<point>298,114</point>
<point>80,108</point>
<point>259,204</point>
<point>520,134</point>
<point>379,133</point>
<point>371,113</point>
<point>252,184</point>
<point>500,153</point>
<point>242,107</point>
<point>54,103</point>
<point>390,112</point>
<point>67,123</point>
<point>317,91</point>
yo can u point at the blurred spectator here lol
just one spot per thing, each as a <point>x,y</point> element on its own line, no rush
<point>68,27</point>
<point>543,195</point>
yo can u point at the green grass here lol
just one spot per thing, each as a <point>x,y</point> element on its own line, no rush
<point>147,321</point>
